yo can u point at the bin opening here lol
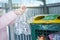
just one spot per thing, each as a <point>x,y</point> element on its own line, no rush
<point>39,18</point>
<point>58,17</point>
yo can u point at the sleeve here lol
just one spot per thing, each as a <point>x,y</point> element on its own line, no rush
<point>7,18</point>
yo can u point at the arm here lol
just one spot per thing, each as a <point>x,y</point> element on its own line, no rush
<point>7,18</point>
<point>10,16</point>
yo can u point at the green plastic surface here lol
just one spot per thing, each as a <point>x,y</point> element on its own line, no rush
<point>46,29</point>
<point>50,17</point>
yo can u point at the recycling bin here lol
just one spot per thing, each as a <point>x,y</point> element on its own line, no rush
<point>44,25</point>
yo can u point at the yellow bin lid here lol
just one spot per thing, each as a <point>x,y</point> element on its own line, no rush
<point>46,19</point>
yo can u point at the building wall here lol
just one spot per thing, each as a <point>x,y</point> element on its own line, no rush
<point>31,12</point>
<point>54,10</point>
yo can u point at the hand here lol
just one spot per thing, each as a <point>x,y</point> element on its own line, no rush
<point>20,11</point>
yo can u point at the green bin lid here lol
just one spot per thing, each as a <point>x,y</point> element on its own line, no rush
<point>50,17</point>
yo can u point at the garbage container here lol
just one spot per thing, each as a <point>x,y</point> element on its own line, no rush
<point>42,26</point>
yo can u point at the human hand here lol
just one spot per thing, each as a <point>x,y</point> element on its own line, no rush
<point>20,11</point>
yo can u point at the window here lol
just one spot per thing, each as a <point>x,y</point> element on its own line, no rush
<point>29,3</point>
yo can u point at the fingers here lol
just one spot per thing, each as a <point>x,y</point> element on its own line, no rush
<point>23,7</point>
<point>20,10</point>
